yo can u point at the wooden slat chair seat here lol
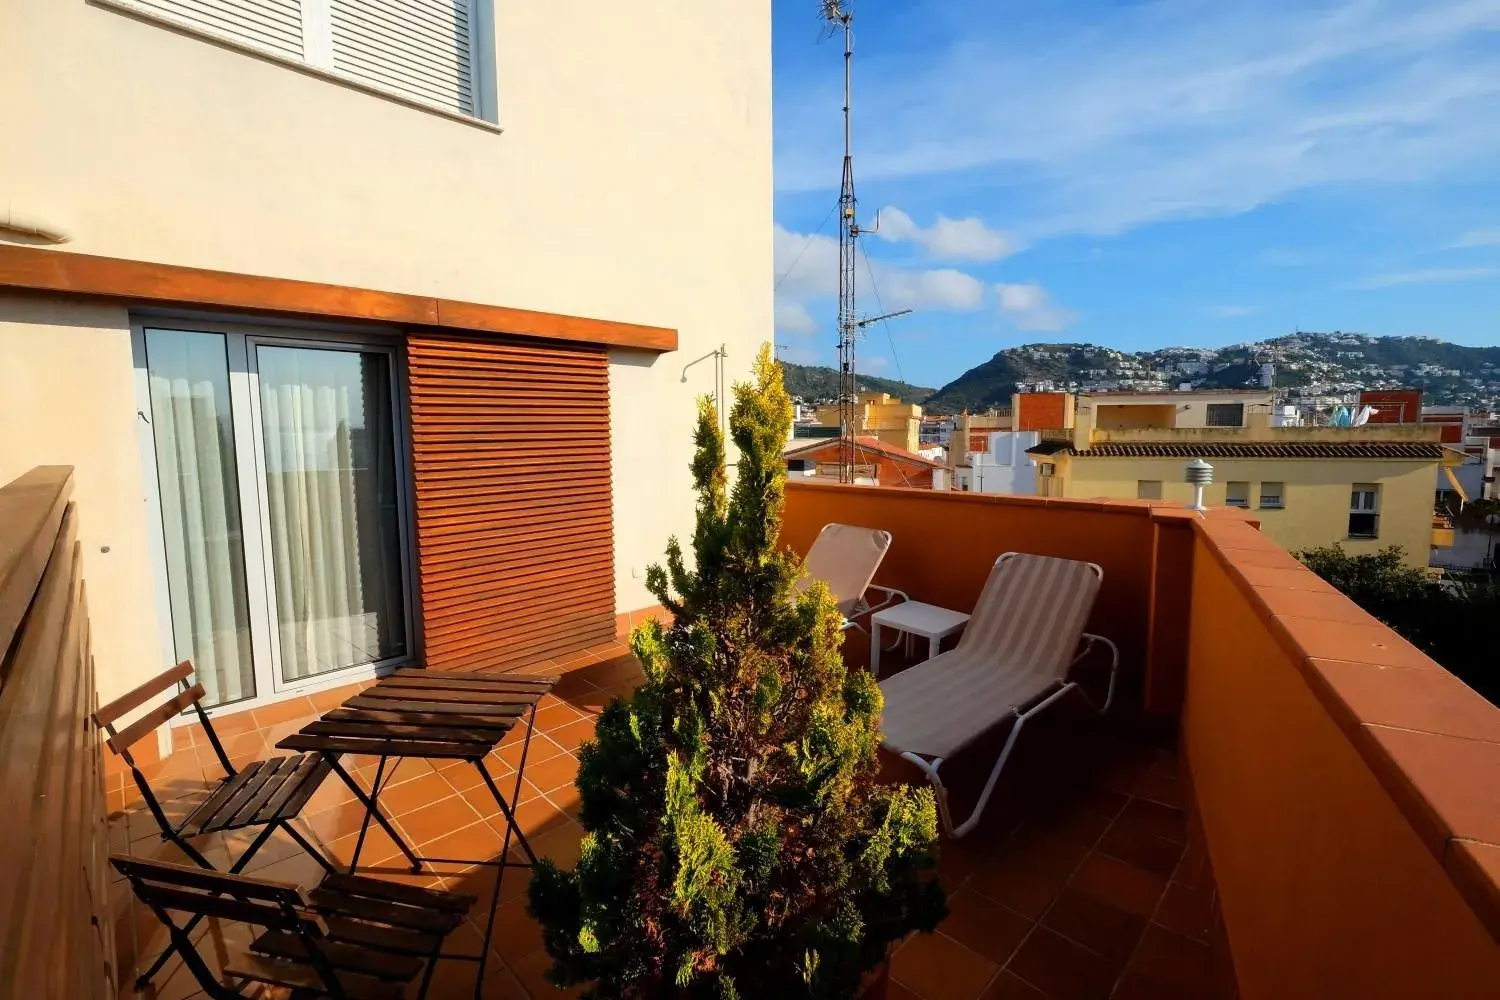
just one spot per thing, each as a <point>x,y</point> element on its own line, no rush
<point>352,936</point>
<point>265,793</point>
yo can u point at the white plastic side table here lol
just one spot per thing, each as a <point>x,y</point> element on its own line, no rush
<point>915,619</point>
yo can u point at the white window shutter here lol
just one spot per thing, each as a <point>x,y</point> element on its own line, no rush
<point>273,25</point>
<point>416,48</point>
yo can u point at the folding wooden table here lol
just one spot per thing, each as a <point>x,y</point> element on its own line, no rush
<point>437,716</point>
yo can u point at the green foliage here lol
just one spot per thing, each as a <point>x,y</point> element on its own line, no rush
<point>814,383</point>
<point>737,843</point>
<point>1448,619</point>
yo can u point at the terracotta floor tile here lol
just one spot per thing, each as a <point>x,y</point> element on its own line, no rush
<point>1142,849</point>
<point>1165,789</point>
<point>936,967</point>
<point>895,991</point>
<point>339,821</point>
<point>986,927</point>
<point>1176,966</point>
<point>574,734</point>
<point>555,716</point>
<point>568,799</point>
<point>535,817</point>
<point>379,850</point>
<point>541,749</point>
<point>479,841</point>
<point>1072,819</point>
<point>1008,986</point>
<point>1187,911</point>
<point>427,823</point>
<point>555,771</point>
<point>1029,872</point>
<point>559,842</point>
<point>464,775</point>
<point>1061,969</point>
<point>1156,819</point>
<point>1106,930</point>
<point>295,708</point>
<point>516,934</point>
<point>532,972</point>
<point>1119,884</point>
<point>408,796</point>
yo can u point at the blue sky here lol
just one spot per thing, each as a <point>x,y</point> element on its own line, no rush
<point>1141,173</point>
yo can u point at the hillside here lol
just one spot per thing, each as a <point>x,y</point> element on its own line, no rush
<point>814,384</point>
<point>1315,367</point>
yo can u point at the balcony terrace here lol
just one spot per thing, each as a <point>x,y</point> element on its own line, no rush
<point>1290,801</point>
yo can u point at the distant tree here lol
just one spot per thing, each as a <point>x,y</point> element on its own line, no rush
<point>1451,620</point>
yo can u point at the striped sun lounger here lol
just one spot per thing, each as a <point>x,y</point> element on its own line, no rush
<point>1013,660</point>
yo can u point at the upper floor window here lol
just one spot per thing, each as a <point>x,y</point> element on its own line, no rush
<point>419,50</point>
<point>1226,414</point>
<point>1364,511</point>
<point>1148,489</point>
<point>1237,494</point>
<point>1272,494</point>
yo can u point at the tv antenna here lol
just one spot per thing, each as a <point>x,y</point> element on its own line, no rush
<point>840,17</point>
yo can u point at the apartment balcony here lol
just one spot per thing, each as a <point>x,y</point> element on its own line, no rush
<point>1289,800</point>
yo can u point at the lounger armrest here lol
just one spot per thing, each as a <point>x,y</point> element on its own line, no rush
<point>1086,646</point>
<point>890,599</point>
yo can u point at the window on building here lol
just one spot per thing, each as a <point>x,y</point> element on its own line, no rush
<point>1047,469</point>
<point>276,470</point>
<point>1148,489</point>
<point>1226,414</point>
<point>1272,494</point>
<point>425,51</point>
<point>1237,494</point>
<point>1364,511</point>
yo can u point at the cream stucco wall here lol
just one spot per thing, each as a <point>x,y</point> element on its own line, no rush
<point>632,182</point>
<point>86,420</point>
<point>1315,495</point>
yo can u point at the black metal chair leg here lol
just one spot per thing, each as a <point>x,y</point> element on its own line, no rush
<point>144,979</point>
<point>303,842</point>
<point>372,809</point>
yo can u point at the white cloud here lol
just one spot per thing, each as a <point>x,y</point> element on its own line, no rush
<point>1028,306</point>
<point>1429,276</point>
<point>1478,238</point>
<point>1170,109</point>
<point>946,239</point>
<point>1230,312</point>
<point>794,319</point>
<point>807,269</point>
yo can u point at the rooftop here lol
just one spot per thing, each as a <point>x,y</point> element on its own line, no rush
<point>1415,450</point>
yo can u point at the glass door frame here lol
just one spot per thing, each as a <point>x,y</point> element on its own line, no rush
<point>240,340</point>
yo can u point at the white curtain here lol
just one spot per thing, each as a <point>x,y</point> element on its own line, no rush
<point>200,520</point>
<point>315,542</point>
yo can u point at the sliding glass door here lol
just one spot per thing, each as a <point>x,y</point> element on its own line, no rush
<point>281,499</point>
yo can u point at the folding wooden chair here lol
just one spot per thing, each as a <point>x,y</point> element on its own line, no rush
<point>265,793</point>
<point>354,937</point>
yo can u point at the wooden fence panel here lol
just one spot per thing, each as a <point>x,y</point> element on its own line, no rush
<point>55,934</point>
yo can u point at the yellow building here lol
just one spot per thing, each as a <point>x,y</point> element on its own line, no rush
<point>1364,488</point>
<point>884,417</point>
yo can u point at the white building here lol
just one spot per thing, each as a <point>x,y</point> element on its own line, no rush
<point>1003,468</point>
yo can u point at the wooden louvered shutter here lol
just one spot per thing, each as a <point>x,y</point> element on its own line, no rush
<point>419,48</point>
<point>273,25</point>
<point>515,540</point>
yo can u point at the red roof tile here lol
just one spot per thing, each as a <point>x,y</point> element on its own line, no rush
<point>1408,450</point>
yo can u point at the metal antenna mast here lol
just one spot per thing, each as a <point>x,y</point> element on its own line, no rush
<point>839,18</point>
